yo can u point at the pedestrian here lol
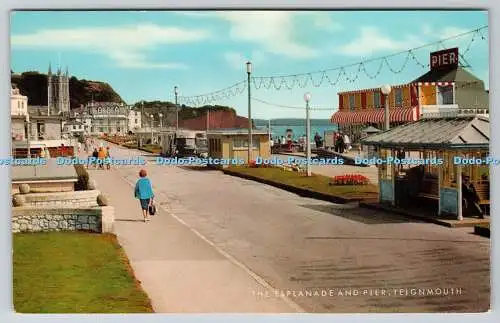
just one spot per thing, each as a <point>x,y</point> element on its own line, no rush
<point>79,147</point>
<point>95,157</point>
<point>101,155</point>
<point>341,143</point>
<point>470,197</point>
<point>347,143</point>
<point>317,140</point>
<point>144,192</point>
<point>108,157</point>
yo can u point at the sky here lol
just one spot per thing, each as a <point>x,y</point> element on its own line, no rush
<point>144,54</point>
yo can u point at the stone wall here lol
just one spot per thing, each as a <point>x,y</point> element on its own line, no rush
<point>96,219</point>
<point>73,199</point>
<point>46,187</point>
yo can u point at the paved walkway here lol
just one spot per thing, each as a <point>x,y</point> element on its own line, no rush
<point>292,243</point>
<point>181,271</point>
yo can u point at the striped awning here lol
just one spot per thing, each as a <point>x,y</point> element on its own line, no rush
<point>374,116</point>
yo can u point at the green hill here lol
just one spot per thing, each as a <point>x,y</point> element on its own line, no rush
<point>169,112</point>
<point>34,85</point>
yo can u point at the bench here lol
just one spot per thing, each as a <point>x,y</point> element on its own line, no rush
<point>428,196</point>
<point>483,191</point>
<point>430,189</point>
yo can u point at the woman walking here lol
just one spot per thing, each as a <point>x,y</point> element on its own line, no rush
<point>144,192</point>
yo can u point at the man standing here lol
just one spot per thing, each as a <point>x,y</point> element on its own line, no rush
<point>317,140</point>
<point>470,197</point>
<point>341,143</point>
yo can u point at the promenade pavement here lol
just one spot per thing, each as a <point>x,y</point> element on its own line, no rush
<point>291,243</point>
<point>180,271</point>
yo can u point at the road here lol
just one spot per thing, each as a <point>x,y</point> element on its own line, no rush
<point>298,245</point>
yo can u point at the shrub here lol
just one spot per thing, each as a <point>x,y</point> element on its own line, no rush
<point>252,164</point>
<point>350,179</point>
<point>83,178</point>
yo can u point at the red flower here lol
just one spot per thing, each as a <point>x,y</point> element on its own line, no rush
<point>350,179</point>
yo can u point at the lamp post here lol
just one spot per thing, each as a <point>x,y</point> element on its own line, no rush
<point>28,131</point>
<point>161,120</point>
<point>142,114</point>
<point>152,118</point>
<point>250,143</point>
<point>386,89</point>
<point>307,98</point>
<point>176,92</point>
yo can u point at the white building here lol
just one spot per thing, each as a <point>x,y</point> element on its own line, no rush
<point>107,118</point>
<point>18,103</point>
<point>134,120</point>
<point>74,128</point>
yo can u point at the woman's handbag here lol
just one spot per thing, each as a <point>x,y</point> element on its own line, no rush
<point>152,208</point>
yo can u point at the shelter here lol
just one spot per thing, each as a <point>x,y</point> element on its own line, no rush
<point>233,144</point>
<point>435,175</point>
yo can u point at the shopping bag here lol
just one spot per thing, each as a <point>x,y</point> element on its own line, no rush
<point>152,208</point>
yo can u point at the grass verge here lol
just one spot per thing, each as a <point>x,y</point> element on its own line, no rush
<point>316,186</point>
<point>73,272</point>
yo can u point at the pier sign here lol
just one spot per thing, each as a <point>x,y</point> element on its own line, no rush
<point>444,59</point>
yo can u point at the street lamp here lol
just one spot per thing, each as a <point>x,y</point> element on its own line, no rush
<point>386,89</point>
<point>161,119</point>
<point>176,92</point>
<point>250,143</point>
<point>307,98</point>
<point>142,114</point>
<point>28,133</point>
<point>152,118</point>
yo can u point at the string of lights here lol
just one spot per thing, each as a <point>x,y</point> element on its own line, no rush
<point>319,78</point>
<point>305,79</point>
<point>223,94</point>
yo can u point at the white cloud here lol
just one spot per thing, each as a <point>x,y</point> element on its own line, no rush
<point>272,30</point>
<point>125,45</point>
<point>237,60</point>
<point>325,22</point>
<point>443,33</point>
<point>372,40</point>
<point>139,61</point>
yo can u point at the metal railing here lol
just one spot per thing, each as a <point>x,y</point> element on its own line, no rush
<point>456,113</point>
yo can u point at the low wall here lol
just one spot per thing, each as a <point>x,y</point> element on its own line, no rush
<point>73,199</point>
<point>97,219</point>
<point>46,187</point>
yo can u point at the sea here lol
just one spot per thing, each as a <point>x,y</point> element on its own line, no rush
<point>281,130</point>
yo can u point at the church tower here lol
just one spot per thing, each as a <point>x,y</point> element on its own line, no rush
<point>58,92</point>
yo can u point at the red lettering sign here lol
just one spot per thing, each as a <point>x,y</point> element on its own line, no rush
<point>444,59</point>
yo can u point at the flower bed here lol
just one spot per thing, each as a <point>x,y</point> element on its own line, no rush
<point>350,179</point>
